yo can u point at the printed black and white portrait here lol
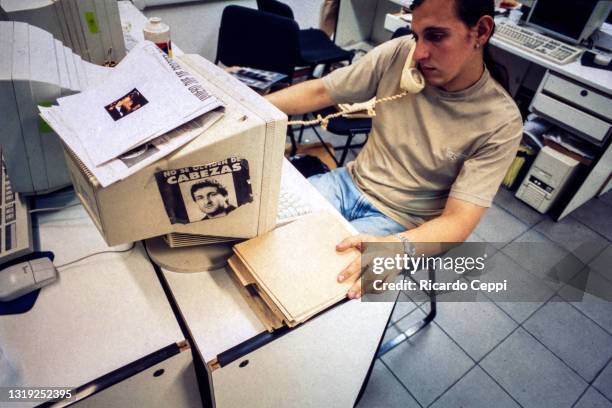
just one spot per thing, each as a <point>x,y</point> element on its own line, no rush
<point>204,192</point>
<point>209,198</point>
<point>125,105</point>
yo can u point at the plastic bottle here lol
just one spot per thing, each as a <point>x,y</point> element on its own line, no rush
<point>158,33</point>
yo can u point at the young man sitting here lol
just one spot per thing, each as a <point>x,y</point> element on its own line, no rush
<point>434,160</point>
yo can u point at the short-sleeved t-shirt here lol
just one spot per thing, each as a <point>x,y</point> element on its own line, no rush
<point>428,146</point>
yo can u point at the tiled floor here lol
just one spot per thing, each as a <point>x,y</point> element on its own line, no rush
<point>556,352</point>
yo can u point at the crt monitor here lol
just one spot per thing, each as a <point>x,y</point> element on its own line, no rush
<point>570,20</point>
<point>236,165</point>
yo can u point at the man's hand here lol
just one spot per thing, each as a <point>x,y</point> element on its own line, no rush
<point>353,270</point>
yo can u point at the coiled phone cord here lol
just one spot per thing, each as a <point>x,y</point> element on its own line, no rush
<point>324,121</point>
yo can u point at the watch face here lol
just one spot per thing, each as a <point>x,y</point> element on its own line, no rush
<point>409,247</point>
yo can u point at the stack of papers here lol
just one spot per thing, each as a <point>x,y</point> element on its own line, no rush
<point>146,108</point>
<point>290,274</point>
<point>36,69</point>
<point>90,28</point>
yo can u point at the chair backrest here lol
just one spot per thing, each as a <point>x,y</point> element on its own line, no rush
<point>275,7</point>
<point>255,39</point>
<point>401,32</point>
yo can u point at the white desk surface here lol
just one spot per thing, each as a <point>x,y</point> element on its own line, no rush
<point>600,79</point>
<point>219,318</point>
<point>103,312</point>
<point>215,312</point>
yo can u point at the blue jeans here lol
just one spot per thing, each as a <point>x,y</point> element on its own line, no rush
<point>338,188</point>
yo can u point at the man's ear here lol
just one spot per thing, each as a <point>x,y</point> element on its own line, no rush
<point>484,29</point>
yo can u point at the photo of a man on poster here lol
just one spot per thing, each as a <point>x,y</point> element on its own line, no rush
<point>212,199</point>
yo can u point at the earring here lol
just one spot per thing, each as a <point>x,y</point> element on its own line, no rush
<point>477,45</point>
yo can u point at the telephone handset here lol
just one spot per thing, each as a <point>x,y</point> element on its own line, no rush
<point>412,80</point>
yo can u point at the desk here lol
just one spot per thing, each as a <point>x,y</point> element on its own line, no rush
<point>322,362</point>
<point>526,69</point>
<point>110,310</point>
<point>103,313</point>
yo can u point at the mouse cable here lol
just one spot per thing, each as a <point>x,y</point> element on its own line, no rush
<point>94,254</point>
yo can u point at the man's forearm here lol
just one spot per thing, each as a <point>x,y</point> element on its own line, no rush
<point>454,225</point>
<point>305,97</point>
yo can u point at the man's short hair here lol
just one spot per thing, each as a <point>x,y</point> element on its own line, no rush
<point>208,183</point>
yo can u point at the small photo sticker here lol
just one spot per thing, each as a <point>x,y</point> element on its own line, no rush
<point>130,102</point>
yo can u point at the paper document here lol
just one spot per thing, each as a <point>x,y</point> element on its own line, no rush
<point>295,266</point>
<point>147,95</point>
<point>139,157</point>
<point>156,106</point>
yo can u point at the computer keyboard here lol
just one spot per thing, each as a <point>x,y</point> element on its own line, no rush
<point>537,44</point>
<point>15,228</point>
<point>291,205</point>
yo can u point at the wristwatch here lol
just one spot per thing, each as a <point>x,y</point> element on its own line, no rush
<point>409,248</point>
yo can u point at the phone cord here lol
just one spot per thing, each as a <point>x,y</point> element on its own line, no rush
<point>324,121</point>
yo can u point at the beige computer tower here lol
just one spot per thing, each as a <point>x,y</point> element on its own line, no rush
<point>548,176</point>
<point>252,132</point>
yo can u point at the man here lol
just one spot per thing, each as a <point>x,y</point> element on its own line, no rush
<point>212,199</point>
<point>434,160</point>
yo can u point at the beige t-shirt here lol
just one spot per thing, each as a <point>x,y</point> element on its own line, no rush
<point>426,147</point>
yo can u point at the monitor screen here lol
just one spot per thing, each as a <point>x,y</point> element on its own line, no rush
<point>567,18</point>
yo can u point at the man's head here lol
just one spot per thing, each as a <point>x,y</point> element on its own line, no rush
<point>211,197</point>
<point>451,36</point>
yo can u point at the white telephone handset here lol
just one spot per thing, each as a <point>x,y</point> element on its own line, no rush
<point>412,80</point>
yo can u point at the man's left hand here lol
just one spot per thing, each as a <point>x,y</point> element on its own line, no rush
<point>353,270</point>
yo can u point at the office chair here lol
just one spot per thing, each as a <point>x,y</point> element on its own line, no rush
<point>255,39</point>
<point>315,46</point>
<point>349,127</point>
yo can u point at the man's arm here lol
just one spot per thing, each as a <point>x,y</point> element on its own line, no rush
<point>305,97</point>
<point>455,224</point>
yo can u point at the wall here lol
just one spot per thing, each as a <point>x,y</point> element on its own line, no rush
<point>195,26</point>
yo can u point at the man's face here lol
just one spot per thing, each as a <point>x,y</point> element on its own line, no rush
<point>210,200</point>
<point>128,103</point>
<point>445,45</point>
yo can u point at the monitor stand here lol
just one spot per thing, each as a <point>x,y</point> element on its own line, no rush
<point>199,258</point>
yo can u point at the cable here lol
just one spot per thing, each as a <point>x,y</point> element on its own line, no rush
<point>324,121</point>
<point>53,208</point>
<point>94,254</point>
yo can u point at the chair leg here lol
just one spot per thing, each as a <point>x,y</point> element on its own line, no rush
<point>327,149</point>
<point>293,143</point>
<point>304,118</point>
<point>346,148</point>
<point>415,328</point>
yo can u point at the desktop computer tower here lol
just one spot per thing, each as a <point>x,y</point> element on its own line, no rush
<point>548,176</point>
<point>246,144</point>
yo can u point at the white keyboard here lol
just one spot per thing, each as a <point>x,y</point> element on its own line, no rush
<point>295,198</point>
<point>291,205</point>
<point>15,229</point>
<point>535,43</point>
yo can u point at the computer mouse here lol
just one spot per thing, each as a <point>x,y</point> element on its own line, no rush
<point>24,277</point>
<point>601,59</point>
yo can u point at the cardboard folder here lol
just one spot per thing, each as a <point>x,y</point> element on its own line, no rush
<point>295,267</point>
